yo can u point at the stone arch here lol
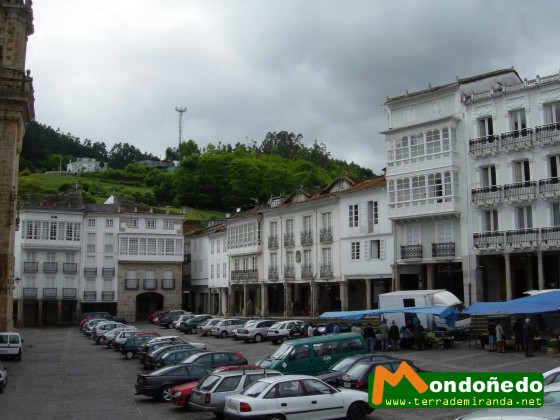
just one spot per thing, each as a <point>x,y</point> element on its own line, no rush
<point>147,303</point>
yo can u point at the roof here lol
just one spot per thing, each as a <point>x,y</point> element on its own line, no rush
<point>69,200</point>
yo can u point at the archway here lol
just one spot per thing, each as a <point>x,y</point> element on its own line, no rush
<point>146,303</point>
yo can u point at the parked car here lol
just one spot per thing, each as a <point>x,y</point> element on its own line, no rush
<point>152,358</point>
<point>3,377</point>
<point>357,375</point>
<point>189,326</point>
<point>168,319</point>
<point>156,314</point>
<point>90,325</point>
<point>174,357</point>
<point>552,376</point>
<point>224,328</point>
<point>130,347</point>
<point>157,343</point>
<point>327,328</point>
<point>11,345</point>
<point>181,394</point>
<point>158,384</point>
<point>210,393</point>
<point>103,327</point>
<point>206,327</point>
<point>83,322</point>
<point>214,359</point>
<point>298,331</point>
<point>255,329</point>
<point>105,315</point>
<point>279,331</point>
<point>121,337</point>
<point>339,369</point>
<point>180,319</point>
<point>284,396</point>
<point>109,336</point>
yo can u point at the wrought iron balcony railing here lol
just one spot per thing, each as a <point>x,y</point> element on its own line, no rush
<point>69,293</point>
<point>550,235</point>
<point>306,237</point>
<point>326,271</point>
<point>50,292</point>
<point>443,249</point>
<point>90,294</point>
<point>522,237</point>
<point>108,295</point>
<point>411,251</point>
<point>90,271</point>
<point>273,273</point>
<point>549,187</point>
<point>325,235</point>
<point>70,268</point>
<point>30,292</point>
<point>307,271</point>
<point>289,272</point>
<point>244,275</point>
<point>494,239</point>
<point>30,267</point>
<point>108,271</point>
<point>520,190</point>
<point>273,241</point>
<point>289,239</point>
<point>50,267</point>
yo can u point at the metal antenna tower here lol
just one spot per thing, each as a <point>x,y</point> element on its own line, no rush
<point>181,110</point>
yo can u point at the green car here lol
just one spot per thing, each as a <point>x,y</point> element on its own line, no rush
<point>130,347</point>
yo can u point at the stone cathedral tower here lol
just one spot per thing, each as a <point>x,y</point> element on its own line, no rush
<point>16,110</point>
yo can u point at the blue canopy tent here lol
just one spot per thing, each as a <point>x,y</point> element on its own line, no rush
<point>542,302</point>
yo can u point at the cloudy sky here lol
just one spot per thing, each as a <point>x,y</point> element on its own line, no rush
<point>114,71</point>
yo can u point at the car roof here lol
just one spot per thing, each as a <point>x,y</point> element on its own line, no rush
<point>280,378</point>
<point>249,371</point>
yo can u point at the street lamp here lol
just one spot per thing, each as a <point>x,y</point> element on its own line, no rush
<point>16,281</point>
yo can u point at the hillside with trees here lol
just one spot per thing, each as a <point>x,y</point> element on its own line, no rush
<point>218,177</point>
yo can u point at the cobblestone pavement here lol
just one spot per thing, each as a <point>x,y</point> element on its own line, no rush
<point>63,375</point>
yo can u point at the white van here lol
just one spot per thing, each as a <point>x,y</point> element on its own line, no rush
<point>10,345</point>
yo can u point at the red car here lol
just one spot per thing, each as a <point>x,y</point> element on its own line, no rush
<point>83,323</point>
<point>155,314</point>
<point>180,394</point>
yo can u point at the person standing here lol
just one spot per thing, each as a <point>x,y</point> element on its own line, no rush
<point>528,335</point>
<point>310,330</point>
<point>419,335</point>
<point>384,330</point>
<point>336,329</point>
<point>491,336</point>
<point>500,338</point>
<point>369,335</point>
<point>518,334</point>
<point>394,334</point>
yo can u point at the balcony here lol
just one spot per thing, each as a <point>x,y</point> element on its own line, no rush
<point>326,271</point>
<point>489,240</point>
<point>108,271</point>
<point>70,268</point>
<point>411,252</point>
<point>289,240</point>
<point>550,236</point>
<point>244,275</point>
<point>307,271</point>
<point>108,295</point>
<point>50,267</point>
<point>30,267</point>
<point>131,284</point>
<point>325,235</point>
<point>443,249</point>
<point>520,191</point>
<point>50,292</point>
<point>289,272</point>
<point>167,284</point>
<point>90,294</point>
<point>30,292</point>
<point>90,271</point>
<point>273,273</point>
<point>306,237</point>
<point>549,187</point>
<point>518,139</point>
<point>487,195</point>
<point>150,284</point>
<point>69,293</point>
<point>484,145</point>
<point>522,238</point>
<point>272,241</point>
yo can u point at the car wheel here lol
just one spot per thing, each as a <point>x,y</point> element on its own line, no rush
<point>219,415</point>
<point>165,393</point>
<point>18,357</point>
<point>276,417</point>
<point>357,411</point>
<point>258,338</point>
<point>129,355</point>
<point>224,334</point>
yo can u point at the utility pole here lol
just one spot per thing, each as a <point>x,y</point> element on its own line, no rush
<point>181,110</point>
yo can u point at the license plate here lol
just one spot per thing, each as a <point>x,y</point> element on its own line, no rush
<point>195,396</point>
<point>231,406</point>
<point>347,385</point>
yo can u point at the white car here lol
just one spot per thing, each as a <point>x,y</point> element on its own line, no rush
<point>225,327</point>
<point>297,397</point>
<point>207,327</point>
<point>109,336</point>
<point>280,331</point>
<point>11,345</point>
<point>103,327</point>
<point>552,376</point>
<point>182,318</point>
<point>121,337</point>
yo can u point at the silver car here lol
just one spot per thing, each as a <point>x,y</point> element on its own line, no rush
<point>211,392</point>
<point>3,377</point>
<point>225,327</point>
<point>255,329</point>
<point>206,328</point>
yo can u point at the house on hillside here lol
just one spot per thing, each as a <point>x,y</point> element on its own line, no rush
<point>85,165</point>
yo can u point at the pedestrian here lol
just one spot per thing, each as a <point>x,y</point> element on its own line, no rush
<point>528,335</point>
<point>310,330</point>
<point>369,335</point>
<point>353,329</point>
<point>336,329</point>
<point>250,308</point>
<point>359,328</point>
<point>384,330</point>
<point>500,338</point>
<point>518,334</point>
<point>491,336</point>
<point>394,335</point>
<point>316,330</point>
<point>419,335</point>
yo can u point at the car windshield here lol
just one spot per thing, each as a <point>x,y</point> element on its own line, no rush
<point>255,389</point>
<point>358,370</point>
<point>283,351</point>
<point>276,325</point>
<point>208,383</point>
<point>343,365</point>
<point>552,398</point>
<point>250,324</point>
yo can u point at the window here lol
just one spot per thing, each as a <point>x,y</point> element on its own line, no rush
<point>90,242</point>
<point>51,256</point>
<point>412,235</point>
<point>436,108</point>
<point>352,344</point>
<point>168,224</point>
<point>212,242</point>
<point>307,258</point>
<point>490,220</point>
<point>273,228</point>
<point>324,349</point>
<point>418,187</point>
<point>435,186</point>
<point>53,231</point>
<point>403,190</point>
<point>552,113</point>
<point>109,223</point>
<point>417,145</point>
<point>108,242</point>
<point>150,224</point>
<point>132,223</point>
<point>401,148</point>
<point>373,250</point>
<point>274,260</point>
<point>373,215</point>
<point>290,226</point>
<point>355,250</point>
<point>91,223</point>
<point>488,176</point>
<point>327,256</point>
<point>524,217</point>
<point>228,384</point>
<point>306,223</point>
<point>326,220</point>
<point>290,259</point>
<point>554,164</point>
<point>517,120</point>
<point>212,271</point>
<point>409,114</point>
<point>433,144</point>
<point>300,352</point>
<point>444,232</point>
<point>556,214</point>
<point>353,215</point>
<point>521,171</point>
<point>485,127</point>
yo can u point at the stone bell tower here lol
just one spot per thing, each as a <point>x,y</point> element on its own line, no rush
<point>16,110</point>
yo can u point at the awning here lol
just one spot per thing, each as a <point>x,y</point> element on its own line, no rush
<point>542,302</point>
<point>441,311</point>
